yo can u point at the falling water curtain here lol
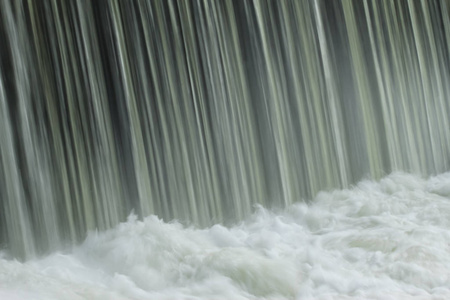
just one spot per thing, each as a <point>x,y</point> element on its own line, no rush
<point>196,110</point>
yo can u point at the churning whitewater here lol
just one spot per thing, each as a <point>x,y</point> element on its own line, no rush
<point>377,240</point>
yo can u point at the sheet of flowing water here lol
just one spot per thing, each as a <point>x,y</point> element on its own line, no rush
<point>378,240</point>
<point>195,110</point>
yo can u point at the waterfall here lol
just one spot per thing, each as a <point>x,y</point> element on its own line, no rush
<point>196,110</point>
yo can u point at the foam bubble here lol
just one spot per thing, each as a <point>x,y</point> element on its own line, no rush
<point>378,240</point>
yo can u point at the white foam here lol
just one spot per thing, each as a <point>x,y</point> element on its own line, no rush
<point>378,240</point>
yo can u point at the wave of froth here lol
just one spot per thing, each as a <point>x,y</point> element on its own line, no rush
<point>378,240</point>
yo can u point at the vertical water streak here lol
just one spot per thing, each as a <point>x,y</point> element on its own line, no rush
<point>18,235</point>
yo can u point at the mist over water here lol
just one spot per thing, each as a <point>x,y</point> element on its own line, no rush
<point>191,115</point>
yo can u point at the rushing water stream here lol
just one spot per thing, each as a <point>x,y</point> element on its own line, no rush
<point>202,111</point>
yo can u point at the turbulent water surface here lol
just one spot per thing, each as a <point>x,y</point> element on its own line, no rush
<point>378,240</point>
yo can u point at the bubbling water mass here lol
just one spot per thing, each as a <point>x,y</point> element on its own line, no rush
<point>195,111</point>
<point>378,240</point>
